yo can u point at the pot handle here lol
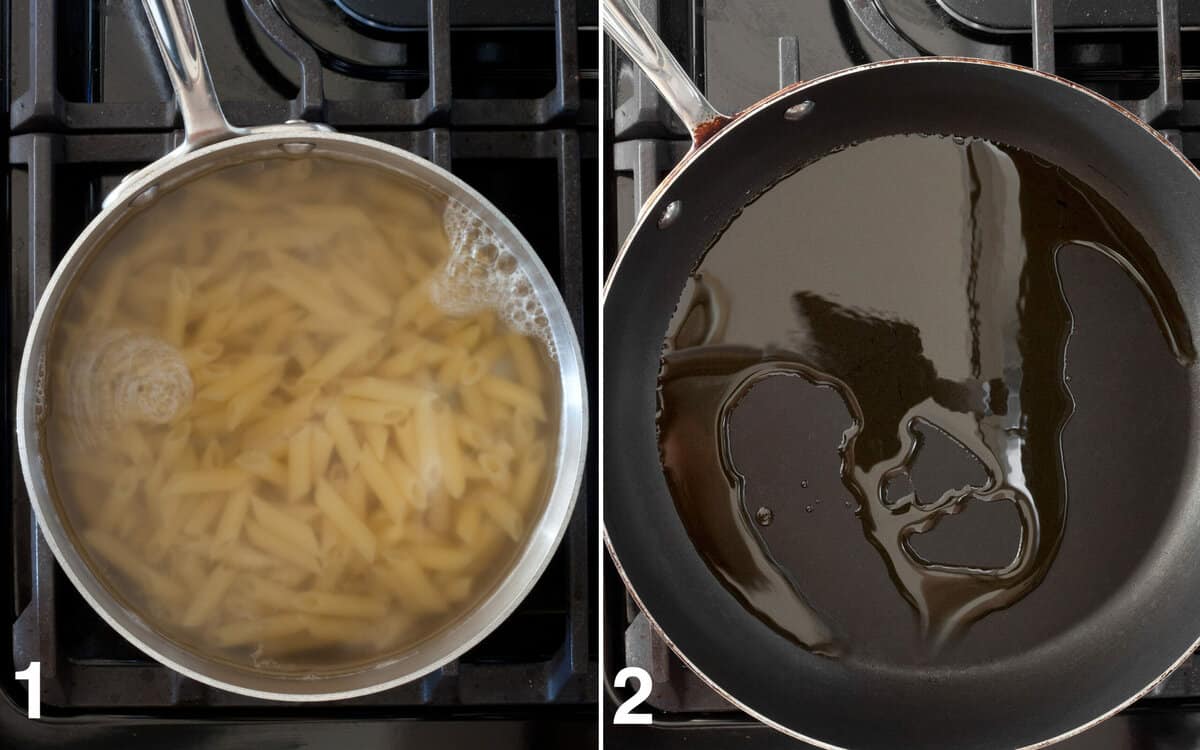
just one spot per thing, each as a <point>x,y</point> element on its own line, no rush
<point>175,31</point>
<point>629,29</point>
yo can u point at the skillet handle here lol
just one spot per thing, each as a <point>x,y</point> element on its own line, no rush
<point>175,31</point>
<point>629,29</point>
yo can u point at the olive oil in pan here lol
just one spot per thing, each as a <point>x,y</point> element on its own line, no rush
<point>934,312</point>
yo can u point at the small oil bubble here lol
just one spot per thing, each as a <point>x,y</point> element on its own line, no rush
<point>808,509</point>
<point>764,516</point>
<point>804,484</point>
<point>818,501</point>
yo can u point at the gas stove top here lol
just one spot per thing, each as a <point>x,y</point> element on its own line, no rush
<point>483,89</point>
<point>742,50</point>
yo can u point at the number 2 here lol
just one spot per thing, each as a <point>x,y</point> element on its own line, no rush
<point>624,713</point>
<point>33,675</point>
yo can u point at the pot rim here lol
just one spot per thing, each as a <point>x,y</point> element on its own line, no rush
<point>137,192</point>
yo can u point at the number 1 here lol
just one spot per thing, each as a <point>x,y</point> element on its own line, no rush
<point>33,675</point>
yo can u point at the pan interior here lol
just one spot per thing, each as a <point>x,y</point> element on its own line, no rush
<point>1117,607</point>
<point>991,333</point>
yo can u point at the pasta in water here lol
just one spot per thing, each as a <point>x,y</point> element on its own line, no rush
<point>279,430</point>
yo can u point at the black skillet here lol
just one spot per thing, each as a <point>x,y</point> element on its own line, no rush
<point>1052,682</point>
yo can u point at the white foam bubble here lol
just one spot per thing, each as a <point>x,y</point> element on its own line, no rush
<point>119,377</point>
<point>482,273</point>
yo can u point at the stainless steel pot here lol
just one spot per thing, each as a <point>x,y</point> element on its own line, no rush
<point>212,143</point>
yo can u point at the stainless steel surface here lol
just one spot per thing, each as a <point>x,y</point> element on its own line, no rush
<point>137,194</point>
<point>629,29</point>
<point>204,121</point>
<point>175,31</point>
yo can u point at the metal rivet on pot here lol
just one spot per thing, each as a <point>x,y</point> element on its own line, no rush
<point>670,214</point>
<point>797,111</point>
<point>145,196</point>
<point>297,147</point>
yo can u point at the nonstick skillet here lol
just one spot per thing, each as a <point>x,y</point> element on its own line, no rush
<point>1096,659</point>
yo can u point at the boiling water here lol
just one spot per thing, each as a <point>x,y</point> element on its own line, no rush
<point>278,431</point>
<point>914,289</point>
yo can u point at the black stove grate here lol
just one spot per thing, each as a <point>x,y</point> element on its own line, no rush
<point>1143,54</point>
<point>88,103</point>
<point>91,65</point>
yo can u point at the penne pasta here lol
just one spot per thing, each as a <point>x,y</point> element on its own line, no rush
<point>441,557</point>
<point>284,525</point>
<point>340,357</point>
<point>302,294</point>
<point>475,406</point>
<point>202,354</point>
<point>109,292</point>
<point>214,323</point>
<point>263,466</point>
<point>282,423</point>
<point>388,391</point>
<point>270,341</point>
<point>524,359</point>
<point>364,294</point>
<point>371,412</point>
<point>243,557</point>
<point>377,439</point>
<point>179,294</point>
<point>428,445</point>
<point>259,630</point>
<point>204,481</point>
<point>386,489</point>
<point>299,464</point>
<point>528,476</point>
<point>504,514</point>
<point>450,455</point>
<point>412,586</point>
<point>269,307</point>
<point>135,446</point>
<point>239,378</point>
<point>121,495</point>
<point>127,563</point>
<point>251,397</point>
<point>322,451</point>
<point>361,452</point>
<point>203,514</point>
<point>276,546</point>
<point>339,605</point>
<point>343,437</point>
<point>232,516</point>
<point>303,351</point>
<point>354,491</point>
<point>206,599</point>
<point>519,397</point>
<point>336,510</point>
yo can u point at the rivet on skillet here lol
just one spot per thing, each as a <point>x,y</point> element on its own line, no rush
<point>798,111</point>
<point>297,147</point>
<point>145,196</point>
<point>670,214</point>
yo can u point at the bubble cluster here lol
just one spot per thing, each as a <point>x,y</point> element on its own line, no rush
<point>119,377</point>
<point>482,273</point>
<point>39,391</point>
